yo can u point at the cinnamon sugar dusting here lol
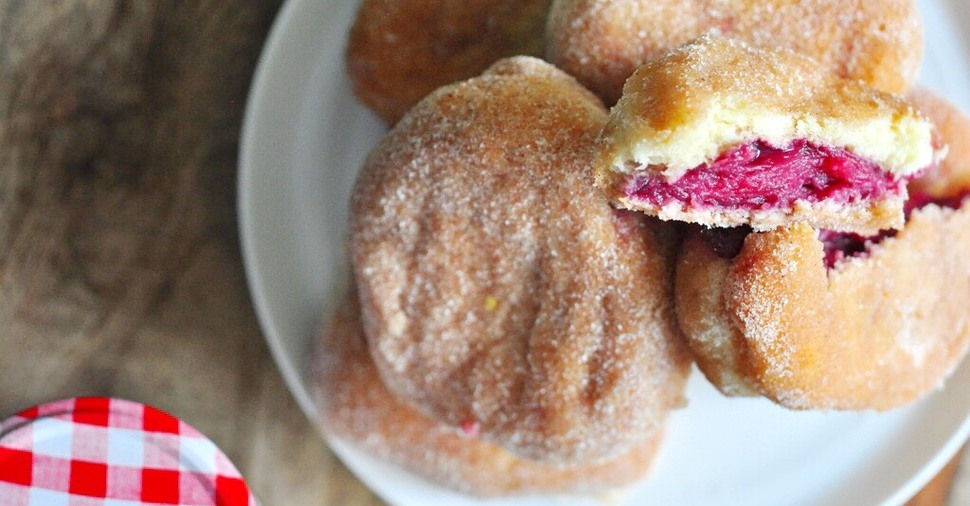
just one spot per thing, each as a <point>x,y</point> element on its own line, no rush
<point>483,191</point>
<point>356,406</point>
<point>602,42</point>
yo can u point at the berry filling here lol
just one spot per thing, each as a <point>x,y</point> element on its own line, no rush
<point>470,428</point>
<point>842,245</point>
<point>727,242</point>
<point>758,176</point>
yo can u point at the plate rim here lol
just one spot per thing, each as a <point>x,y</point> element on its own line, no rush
<point>255,100</point>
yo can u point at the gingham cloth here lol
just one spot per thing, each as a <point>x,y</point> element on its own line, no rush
<point>101,451</point>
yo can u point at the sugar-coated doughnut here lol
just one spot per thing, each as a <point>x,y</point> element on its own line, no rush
<point>721,133</point>
<point>499,289</point>
<point>815,319</point>
<point>401,50</point>
<point>354,405</point>
<point>602,42</point>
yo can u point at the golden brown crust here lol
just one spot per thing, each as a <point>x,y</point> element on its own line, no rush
<point>499,288</point>
<point>401,50</point>
<point>687,107</point>
<point>863,217</point>
<point>875,332</point>
<point>699,297</point>
<point>602,42</point>
<point>695,103</point>
<point>355,406</point>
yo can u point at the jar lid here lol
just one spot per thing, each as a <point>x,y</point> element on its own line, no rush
<point>121,452</point>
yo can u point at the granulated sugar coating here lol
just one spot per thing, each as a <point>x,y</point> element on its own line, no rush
<point>758,137</point>
<point>602,42</point>
<point>357,407</point>
<point>499,288</point>
<point>874,331</point>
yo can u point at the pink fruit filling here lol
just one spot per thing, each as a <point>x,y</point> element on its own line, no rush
<point>758,176</point>
<point>727,242</point>
<point>470,428</point>
<point>842,245</point>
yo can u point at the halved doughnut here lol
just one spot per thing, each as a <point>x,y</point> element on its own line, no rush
<point>720,133</point>
<point>815,319</point>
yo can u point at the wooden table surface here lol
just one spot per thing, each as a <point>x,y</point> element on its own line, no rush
<point>120,270</point>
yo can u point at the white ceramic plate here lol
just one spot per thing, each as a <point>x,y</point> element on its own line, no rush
<point>303,141</point>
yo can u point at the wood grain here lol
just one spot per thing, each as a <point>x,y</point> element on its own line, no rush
<point>120,270</point>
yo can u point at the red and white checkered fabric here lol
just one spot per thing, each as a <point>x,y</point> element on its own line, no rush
<point>102,451</point>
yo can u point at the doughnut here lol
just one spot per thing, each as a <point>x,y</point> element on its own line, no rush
<point>499,289</point>
<point>821,320</point>
<point>355,406</point>
<point>400,50</point>
<point>721,133</point>
<point>602,42</point>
